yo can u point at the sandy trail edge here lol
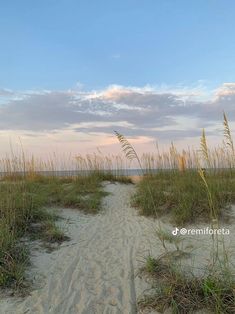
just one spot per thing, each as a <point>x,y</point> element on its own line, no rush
<point>95,271</point>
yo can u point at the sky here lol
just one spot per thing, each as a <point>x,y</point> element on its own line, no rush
<point>72,72</point>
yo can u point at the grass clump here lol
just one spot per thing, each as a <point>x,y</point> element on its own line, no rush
<point>51,233</point>
<point>23,203</point>
<point>14,259</point>
<point>109,176</point>
<point>183,195</point>
<point>187,293</point>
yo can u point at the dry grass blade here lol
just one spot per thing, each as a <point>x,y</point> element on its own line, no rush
<point>204,148</point>
<point>127,148</point>
<point>227,133</point>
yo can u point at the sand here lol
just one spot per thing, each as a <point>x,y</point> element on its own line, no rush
<point>96,272</point>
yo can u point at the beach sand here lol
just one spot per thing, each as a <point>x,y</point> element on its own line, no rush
<point>96,271</point>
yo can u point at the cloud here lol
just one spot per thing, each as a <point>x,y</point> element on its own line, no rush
<point>5,92</point>
<point>116,56</point>
<point>163,113</point>
<point>227,89</point>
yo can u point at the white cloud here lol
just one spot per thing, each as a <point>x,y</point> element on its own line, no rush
<point>163,112</point>
<point>116,56</point>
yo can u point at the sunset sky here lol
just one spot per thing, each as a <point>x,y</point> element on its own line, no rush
<point>72,72</point>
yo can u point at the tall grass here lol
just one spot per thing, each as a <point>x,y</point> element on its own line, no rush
<point>189,185</point>
<point>31,188</point>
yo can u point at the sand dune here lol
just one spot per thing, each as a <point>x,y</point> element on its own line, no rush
<point>95,271</point>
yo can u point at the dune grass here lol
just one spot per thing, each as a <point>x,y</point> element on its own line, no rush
<point>174,181</point>
<point>186,293</point>
<point>26,203</point>
<point>187,191</point>
<point>188,196</point>
<point>20,208</point>
<point>182,195</point>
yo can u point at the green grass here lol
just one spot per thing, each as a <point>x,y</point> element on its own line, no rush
<point>187,293</point>
<point>183,195</point>
<point>109,176</point>
<point>84,193</point>
<point>23,212</point>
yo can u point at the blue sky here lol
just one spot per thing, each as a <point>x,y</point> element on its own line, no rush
<point>71,72</point>
<point>53,44</point>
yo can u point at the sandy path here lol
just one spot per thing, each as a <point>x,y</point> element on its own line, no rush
<point>95,271</point>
